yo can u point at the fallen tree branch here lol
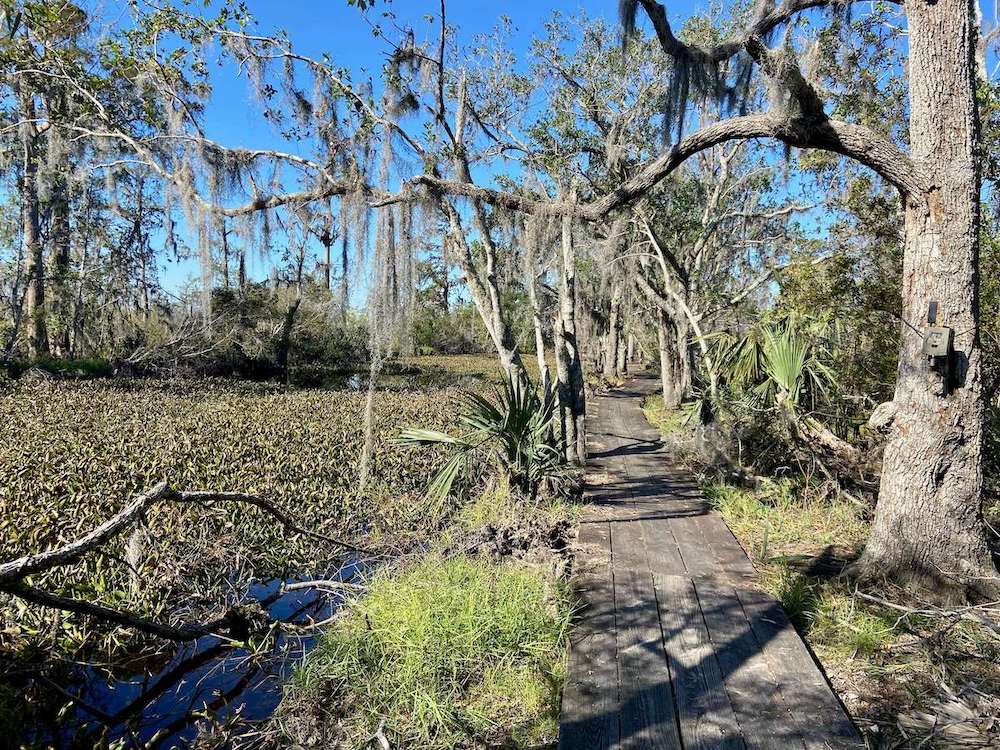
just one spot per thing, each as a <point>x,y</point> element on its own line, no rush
<point>970,613</point>
<point>188,632</point>
<point>13,572</point>
<point>22,567</point>
<point>16,570</point>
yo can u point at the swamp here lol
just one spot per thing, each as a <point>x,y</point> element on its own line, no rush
<point>605,374</point>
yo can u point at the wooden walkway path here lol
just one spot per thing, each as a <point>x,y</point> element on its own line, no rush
<point>674,647</point>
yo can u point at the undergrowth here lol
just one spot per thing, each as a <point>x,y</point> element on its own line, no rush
<point>448,653</point>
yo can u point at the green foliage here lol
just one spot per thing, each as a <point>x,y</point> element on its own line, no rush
<point>513,431</point>
<point>779,362</point>
<point>73,453</point>
<point>667,421</point>
<point>780,517</point>
<point>448,653</point>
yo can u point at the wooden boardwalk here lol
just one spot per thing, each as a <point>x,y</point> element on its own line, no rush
<point>674,647</point>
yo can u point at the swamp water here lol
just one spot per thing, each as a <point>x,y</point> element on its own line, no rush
<point>172,697</point>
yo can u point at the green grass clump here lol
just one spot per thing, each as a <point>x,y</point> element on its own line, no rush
<point>448,653</point>
<point>830,615</point>
<point>779,518</point>
<point>667,421</point>
<point>780,522</point>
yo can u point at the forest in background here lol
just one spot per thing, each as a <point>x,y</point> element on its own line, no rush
<point>740,202</point>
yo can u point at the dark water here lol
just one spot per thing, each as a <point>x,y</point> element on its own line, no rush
<point>161,705</point>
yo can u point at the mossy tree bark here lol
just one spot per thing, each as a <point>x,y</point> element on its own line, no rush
<point>34,260</point>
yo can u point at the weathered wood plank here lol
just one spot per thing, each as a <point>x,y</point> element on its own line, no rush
<point>672,644</point>
<point>661,548</point>
<point>814,707</point>
<point>763,717</point>
<point>589,712</point>
<point>706,716</point>
<point>647,719</point>
<point>729,556</point>
<point>628,548</point>
<point>698,559</point>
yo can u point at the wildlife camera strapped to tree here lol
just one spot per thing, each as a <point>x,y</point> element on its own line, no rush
<point>939,345</point>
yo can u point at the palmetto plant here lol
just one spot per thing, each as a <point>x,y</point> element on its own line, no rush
<point>780,363</point>
<point>513,430</point>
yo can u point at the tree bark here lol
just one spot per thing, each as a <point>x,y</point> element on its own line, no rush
<point>539,326</point>
<point>569,365</point>
<point>60,261</point>
<point>344,263</point>
<point>669,361</point>
<point>485,293</point>
<point>38,340</point>
<point>614,331</point>
<point>928,532</point>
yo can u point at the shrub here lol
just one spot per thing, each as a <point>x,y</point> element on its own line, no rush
<point>448,653</point>
<point>513,431</point>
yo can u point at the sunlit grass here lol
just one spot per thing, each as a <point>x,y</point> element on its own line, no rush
<point>446,653</point>
<point>668,421</point>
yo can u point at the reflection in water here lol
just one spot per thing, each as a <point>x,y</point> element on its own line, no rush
<point>160,708</point>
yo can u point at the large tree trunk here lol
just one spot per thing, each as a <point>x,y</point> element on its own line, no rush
<point>38,340</point>
<point>60,260</point>
<point>928,530</point>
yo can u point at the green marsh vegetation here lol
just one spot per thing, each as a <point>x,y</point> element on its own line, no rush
<point>466,646</point>
<point>449,652</point>
<point>75,451</point>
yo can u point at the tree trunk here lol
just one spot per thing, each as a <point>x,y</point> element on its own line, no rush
<point>928,532</point>
<point>486,295</point>
<point>60,260</point>
<point>344,263</point>
<point>224,237</point>
<point>684,359</point>
<point>621,366</point>
<point>614,329</point>
<point>539,326</point>
<point>285,340</point>
<point>38,340</point>
<point>572,394</point>
<point>669,369</point>
<point>242,271</point>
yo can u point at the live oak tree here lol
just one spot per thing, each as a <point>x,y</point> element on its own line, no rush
<point>928,529</point>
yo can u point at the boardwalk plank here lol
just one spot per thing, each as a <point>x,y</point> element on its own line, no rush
<point>590,694</point>
<point>673,643</point>
<point>764,720</point>
<point>647,718</point>
<point>815,709</point>
<point>706,716</point>
<point>661,548</point>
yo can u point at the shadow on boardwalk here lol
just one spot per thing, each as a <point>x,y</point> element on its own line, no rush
<point>674,647</point>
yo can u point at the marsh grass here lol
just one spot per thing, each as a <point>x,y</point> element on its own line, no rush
<point>667,421</point>
<point>448,653</point>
